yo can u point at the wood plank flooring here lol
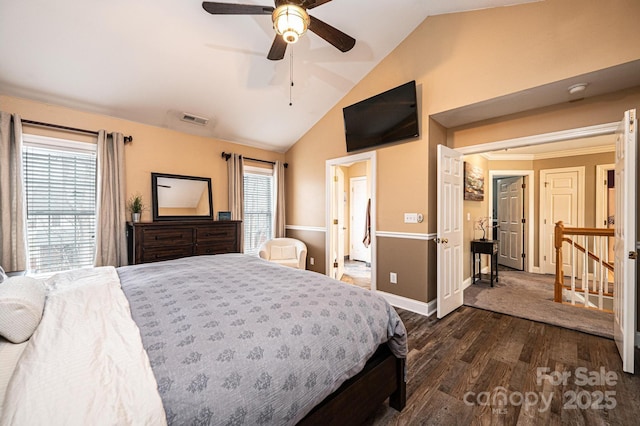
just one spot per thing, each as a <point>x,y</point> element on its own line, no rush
<point>480,367</point>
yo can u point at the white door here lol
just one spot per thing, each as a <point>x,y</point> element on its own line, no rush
<point>562,199</point>
<point>449,238</point>
<point>358,210</point>
<point>339,223</point>
<point>510,221</point>
<point>624,288</point>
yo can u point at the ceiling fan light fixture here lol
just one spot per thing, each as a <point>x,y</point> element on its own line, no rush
<point>290,21</point>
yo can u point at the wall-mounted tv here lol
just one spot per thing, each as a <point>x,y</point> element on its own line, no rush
<point>388,117</point>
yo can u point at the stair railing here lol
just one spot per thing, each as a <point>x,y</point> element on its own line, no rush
<point>589,271</point>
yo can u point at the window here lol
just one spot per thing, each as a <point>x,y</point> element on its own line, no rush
<point>60,187</point>
<point>258,208</point>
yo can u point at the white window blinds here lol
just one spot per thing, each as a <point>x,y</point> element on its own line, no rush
<point>60,186</point>
<point>258,208</point>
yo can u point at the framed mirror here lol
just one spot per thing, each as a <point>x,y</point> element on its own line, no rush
<point>177,197</point>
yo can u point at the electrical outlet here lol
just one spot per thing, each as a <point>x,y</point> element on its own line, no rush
<point>393,278</point>
<point>312,261</point>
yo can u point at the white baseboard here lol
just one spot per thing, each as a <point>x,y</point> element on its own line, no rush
<point>466,283</point>
<point>416,306</point>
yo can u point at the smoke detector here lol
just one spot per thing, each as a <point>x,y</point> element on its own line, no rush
<point>194,119</point>
<point>577,88</point>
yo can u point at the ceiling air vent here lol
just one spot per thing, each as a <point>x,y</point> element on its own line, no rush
<point>190,118</point>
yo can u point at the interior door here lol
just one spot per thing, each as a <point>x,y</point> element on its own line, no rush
<point>624,288</point>
<point>562,192</point>
<point>358,211</point>
<point>449,236</point>
<point>339,222</point>
<point>511,222</point>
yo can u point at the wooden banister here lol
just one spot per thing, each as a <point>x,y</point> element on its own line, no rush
<point>560,233</point>
<point>592,256</point>
<point>602,232</point>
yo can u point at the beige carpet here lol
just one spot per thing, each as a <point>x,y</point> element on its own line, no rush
<point>530,296</point>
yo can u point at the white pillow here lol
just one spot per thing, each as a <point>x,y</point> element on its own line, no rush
<point>21,307</point>
<point>283,252</point>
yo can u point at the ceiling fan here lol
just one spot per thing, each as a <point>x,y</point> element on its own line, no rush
<point>290,21</point>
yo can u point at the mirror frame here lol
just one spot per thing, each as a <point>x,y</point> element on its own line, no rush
<point>154,197</point>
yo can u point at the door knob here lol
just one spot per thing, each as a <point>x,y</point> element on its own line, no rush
<point>445,241</point>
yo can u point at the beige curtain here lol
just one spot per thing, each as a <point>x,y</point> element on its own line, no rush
<point>13,248</point>
<point>279,222</point>
<point>111,242</point>
<point>235,173</point>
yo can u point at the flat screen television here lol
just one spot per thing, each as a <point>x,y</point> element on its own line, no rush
<point>388,117</point>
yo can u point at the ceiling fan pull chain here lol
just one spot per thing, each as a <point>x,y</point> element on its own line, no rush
<point>291,76</point>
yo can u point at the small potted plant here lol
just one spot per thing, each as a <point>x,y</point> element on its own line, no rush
<point>135,206</point>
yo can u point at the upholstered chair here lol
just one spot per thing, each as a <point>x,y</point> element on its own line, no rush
<point>285,251</point>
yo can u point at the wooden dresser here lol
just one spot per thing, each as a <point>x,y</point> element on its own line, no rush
<point>155,241</point>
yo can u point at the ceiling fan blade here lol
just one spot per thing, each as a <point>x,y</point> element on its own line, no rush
<point>332,35</point>
<point>216,8</point>
<point>310,4</point>
<point>278,48</point>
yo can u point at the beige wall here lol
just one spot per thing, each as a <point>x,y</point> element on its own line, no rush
<point>154,149</point>
<point>457,60</point>
<point>474,210</point>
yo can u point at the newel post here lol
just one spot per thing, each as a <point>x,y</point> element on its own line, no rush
<point>559,284</point>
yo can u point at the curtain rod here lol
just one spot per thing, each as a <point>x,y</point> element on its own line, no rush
<point>226,157</point>
<point>127,139</point>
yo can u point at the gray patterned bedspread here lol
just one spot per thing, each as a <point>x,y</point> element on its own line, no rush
<point>233,339</point>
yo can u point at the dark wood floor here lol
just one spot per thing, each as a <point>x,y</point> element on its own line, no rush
<point>473,353</point>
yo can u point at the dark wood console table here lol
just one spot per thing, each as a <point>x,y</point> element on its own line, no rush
<point>480,247</point>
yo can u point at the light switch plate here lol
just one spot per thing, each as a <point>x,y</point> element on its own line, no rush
<point>411,218</point>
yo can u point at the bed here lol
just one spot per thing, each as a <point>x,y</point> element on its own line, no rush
<point>224,339</point>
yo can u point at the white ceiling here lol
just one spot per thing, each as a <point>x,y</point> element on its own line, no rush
<point>150,61</point>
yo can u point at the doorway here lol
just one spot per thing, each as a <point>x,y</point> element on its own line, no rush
<point>350,239</point>
<point>528,206</point>
<point>512,147</point>
<point>606,204</point>
<point>510,221</point>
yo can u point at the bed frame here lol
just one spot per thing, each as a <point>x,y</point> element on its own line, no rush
<point>383,377</point>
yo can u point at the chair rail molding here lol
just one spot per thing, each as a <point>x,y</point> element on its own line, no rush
<point>306,228</point>
<point>406,235</point>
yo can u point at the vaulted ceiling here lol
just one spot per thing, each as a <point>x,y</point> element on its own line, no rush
<point>152,61</point>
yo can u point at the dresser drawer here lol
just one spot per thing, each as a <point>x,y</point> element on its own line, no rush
<point>162,237</point>
<point>218,247</point>
<point>221,232</point>
<point>157,254</point>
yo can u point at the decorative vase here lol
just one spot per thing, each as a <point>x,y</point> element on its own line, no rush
<point>135,217</point>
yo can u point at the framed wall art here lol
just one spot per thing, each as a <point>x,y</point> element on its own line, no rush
<point>473,182</point>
